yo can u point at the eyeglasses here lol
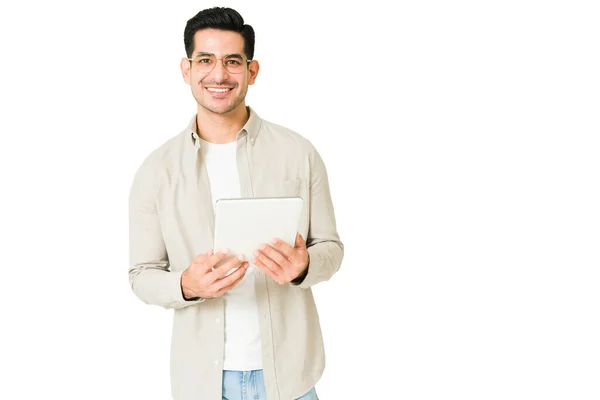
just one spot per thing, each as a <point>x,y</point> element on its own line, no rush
<point>233,63</point>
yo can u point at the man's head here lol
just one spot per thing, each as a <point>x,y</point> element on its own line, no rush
<point>220,47</point>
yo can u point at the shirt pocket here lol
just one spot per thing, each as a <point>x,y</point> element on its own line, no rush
<point>290,188</point>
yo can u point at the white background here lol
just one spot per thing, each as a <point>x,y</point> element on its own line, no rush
<point>461,141</point>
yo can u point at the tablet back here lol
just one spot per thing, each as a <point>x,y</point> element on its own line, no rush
<point>241,225</point>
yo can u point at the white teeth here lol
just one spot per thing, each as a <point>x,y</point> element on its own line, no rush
<point>218,90</point>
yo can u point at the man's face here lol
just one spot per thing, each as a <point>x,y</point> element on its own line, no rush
<point>219,91</point>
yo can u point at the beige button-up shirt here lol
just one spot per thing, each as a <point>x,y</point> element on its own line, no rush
<point>171,221</point>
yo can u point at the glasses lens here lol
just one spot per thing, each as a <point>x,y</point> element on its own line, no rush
<point>204,63</point>
<point>233,64</point>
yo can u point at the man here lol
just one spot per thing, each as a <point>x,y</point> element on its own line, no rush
<point>253,333</point>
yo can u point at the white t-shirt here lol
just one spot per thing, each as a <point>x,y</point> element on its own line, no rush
<point>242,331</point>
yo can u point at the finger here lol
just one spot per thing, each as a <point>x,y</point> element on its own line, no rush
<point>283,246</point>
<point>300,242</point>
<point>299,249</point>
<point>268,271</point>
<point>199,262</point>
<point>216,258</point>
<point>199,258</point>
<point>274,254</point>
<point>224,284</point>
<point>227,266</point>
<point>268,262</point>
<point>202,258</point>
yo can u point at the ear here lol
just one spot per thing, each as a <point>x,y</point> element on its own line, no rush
<point>253,71</point>
<point>185,70</point>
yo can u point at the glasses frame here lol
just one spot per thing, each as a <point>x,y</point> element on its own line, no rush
<point>191,60</point>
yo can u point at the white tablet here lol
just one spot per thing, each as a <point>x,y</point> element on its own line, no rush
<point>242,225</point>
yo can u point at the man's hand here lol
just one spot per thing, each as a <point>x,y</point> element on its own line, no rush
<point>282,266</point>
<point>201,280</point>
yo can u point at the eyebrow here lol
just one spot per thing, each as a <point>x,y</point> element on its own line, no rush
<point>205,54</point>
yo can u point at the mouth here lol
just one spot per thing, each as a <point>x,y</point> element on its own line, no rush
<point>218,92</point>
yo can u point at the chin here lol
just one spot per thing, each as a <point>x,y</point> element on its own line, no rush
<point>217,109</point>
<point>221,108</point>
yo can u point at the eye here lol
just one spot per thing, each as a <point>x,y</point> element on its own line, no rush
<point>204,60</point>
<point>233,61</point>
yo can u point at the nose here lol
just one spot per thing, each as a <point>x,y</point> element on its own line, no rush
<point>219,72</point>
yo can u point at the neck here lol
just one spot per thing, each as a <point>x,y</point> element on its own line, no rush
<point>221,128</point>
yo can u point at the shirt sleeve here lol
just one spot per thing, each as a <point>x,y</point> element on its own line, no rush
<point>323,243</point>
<point>150,277</point>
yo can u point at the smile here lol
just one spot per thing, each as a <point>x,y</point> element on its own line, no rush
<point>219,90</point>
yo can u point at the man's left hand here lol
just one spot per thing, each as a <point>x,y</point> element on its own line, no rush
<point>282,266</point>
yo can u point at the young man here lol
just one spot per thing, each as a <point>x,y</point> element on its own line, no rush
<point>254,332</point>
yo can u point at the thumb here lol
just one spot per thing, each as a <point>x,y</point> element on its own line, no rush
<point>300,242</point>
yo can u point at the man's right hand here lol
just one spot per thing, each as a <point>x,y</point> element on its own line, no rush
<point>200,280</point>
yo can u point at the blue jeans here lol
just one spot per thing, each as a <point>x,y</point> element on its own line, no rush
<point>250,385</point>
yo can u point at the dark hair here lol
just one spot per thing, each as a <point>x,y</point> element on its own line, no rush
<point>223,18</point>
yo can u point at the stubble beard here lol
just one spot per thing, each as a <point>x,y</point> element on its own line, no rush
<point>213,110</point>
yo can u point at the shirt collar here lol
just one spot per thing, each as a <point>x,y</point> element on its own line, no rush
<point>251,128</point>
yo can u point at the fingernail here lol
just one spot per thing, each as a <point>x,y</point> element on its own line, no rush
<point>255,253</point>
<point>224,251</point>
<point>263,247</point>
<point>241,257</point>
<point>274,241</point>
